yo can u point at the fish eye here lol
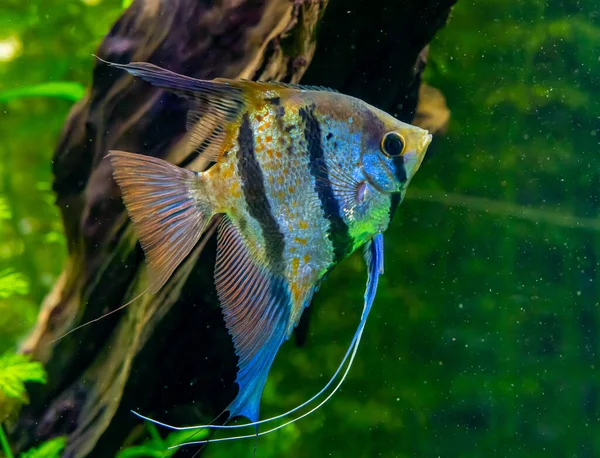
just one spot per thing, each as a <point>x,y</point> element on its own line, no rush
<point>392,144</point>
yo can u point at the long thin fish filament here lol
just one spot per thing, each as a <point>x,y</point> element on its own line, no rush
<point>373,254</point>
<point>266,420</point>
<point>263,433</point>
<point>100,317</point>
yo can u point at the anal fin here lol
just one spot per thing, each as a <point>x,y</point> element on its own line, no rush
<point>256,305</point>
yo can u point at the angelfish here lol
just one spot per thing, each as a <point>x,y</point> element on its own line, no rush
<point>302,176</point>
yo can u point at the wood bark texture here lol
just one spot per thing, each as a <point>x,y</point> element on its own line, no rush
<point>170,352</point>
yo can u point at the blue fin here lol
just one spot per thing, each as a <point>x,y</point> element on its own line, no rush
<point>373,254</point>
<point>256,304</point>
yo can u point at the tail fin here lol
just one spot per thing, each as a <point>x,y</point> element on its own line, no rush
<point>167,216</point>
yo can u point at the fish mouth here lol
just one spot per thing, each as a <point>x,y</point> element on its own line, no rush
<point>422,150</point>
<point>425,142</point>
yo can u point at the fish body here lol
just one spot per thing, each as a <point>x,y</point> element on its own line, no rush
<point>291,183</point>
<point>303,177</point>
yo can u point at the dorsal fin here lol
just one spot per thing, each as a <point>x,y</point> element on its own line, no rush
<point>215,106</point>
<point>279,85</point>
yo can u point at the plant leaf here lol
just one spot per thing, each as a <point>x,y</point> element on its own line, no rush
<point>12,283</point>
<point>159,448</point>
<point>61,89</point>
<point>49,449</point>
<point>5,212</point>
<point>15,370</point>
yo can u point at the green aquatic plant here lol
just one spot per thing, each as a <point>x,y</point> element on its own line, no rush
<point>5,212</point>
<point>16,313</point>
<point>49,449</point>
<point>15,371</point>
<point>157,446</point>
<point>61,89</point>
<point>12,283</point>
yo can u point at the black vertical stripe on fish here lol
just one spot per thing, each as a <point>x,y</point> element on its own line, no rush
<point>400,170</point>
<point>253,186</point>
<point>340,235</point>
<point>400,174</point>
<point>395,202</point>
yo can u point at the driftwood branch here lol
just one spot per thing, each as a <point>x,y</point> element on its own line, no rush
<point>133,359</point>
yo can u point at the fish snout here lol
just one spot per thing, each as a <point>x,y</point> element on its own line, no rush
<point>421,149</point>
<point>425,141</point>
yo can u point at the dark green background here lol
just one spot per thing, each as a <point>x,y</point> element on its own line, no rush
<point>483,340</point>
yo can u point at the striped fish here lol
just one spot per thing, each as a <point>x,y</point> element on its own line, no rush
<point>302,176</point>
